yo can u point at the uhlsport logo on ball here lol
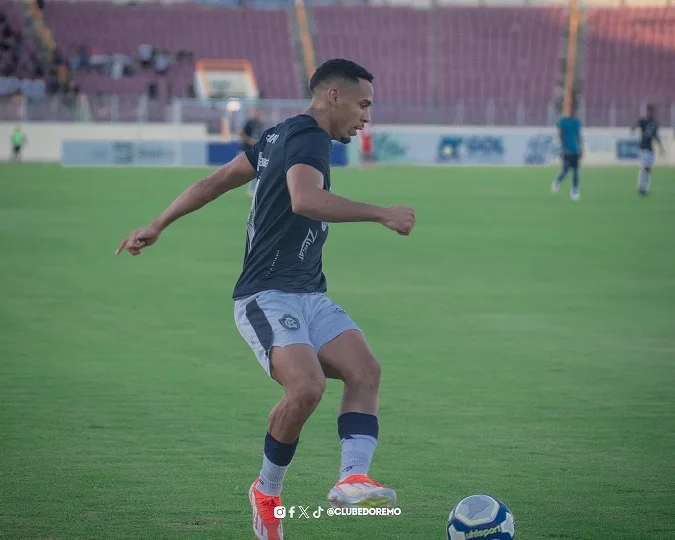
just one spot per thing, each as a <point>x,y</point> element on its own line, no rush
<point>481,517</point>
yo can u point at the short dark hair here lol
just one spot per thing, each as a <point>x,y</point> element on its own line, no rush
<point>339,68</point>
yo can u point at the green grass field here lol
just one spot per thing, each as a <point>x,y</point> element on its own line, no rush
<point>527,343</point>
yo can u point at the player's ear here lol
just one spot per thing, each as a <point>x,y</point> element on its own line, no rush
<point>333,95</point>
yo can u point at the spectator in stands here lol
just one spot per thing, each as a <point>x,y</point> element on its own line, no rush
<point>52,81</point>
<point>97,60</point>
<point>84,55</point>
<point>74,59</point>
<point>145,53</point>
<point>38,70</point>
<point>162,61</point>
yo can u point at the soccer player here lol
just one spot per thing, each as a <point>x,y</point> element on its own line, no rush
<point>18,141</point>
<point>300,336</point>
<point>569,130</point>
<point>650,132</point>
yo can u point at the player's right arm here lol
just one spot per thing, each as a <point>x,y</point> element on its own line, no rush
<point>234,174</point>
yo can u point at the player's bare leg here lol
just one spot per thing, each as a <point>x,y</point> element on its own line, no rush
<point>555,186</point>
<point>297,369</point>
<point>644,178</point>
<point>349,358</point>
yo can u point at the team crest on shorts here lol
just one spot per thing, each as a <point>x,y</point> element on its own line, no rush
<point>289,322</point>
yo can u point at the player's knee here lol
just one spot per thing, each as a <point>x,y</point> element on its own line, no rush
<point>373,371</point>
<point>308,394</point>
<point>366,374</point>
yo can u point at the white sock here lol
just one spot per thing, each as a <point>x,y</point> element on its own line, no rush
<point>644,178</point>
<point>357,453</point>
<point>271,478</point>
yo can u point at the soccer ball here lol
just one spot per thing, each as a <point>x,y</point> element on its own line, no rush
<point>480,517</point>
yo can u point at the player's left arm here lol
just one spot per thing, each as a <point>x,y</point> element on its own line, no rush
<point>234,174</point>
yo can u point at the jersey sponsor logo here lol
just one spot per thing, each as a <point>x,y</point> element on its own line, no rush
<point>272,138</point>
<point>308,241</point>
<point>289,322</point>
<point>262,162</point>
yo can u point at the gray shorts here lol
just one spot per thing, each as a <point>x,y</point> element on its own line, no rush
<point>646,158</point>
<point>276,319</point>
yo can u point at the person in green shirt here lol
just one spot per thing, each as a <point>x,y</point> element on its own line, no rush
<point>18,141</point>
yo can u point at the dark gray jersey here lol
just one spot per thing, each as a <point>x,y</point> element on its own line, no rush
<point>650,131</point>
<point>283,249</point>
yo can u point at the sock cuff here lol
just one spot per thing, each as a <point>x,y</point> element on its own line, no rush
<point>355,423</point>
<point>279,453</point>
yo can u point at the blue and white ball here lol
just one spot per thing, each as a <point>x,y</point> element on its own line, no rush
<point>481,517</point>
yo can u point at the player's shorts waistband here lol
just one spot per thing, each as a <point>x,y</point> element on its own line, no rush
<point>253,294</point>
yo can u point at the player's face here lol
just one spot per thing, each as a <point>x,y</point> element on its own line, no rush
<point>352,110</point>
<point>651,113</point>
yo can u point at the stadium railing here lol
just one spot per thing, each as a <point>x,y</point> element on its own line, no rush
<point>125,108</point>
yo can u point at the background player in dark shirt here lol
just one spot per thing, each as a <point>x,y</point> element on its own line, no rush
<point>649,128</point>
<point>250,134</point>
<point>300,336</point>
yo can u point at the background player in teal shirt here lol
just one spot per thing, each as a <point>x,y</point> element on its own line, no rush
<point>569,128</point>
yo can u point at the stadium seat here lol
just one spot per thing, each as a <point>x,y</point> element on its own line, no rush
<point>628,60</point>
<point>262,36</point>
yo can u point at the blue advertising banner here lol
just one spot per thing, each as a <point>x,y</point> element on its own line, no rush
<point>627,149</point>
<point>450,148</point>
<point>133,153</point>
<point>161,153</point>
<point>221,153</point>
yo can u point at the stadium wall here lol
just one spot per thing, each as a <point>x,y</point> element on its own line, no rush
<point>190,145</point>
<point>44,139</point>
